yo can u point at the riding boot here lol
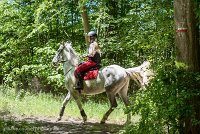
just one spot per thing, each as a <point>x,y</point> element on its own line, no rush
<point>79,83</point>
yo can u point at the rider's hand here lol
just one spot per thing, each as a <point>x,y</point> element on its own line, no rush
<point>85,56</point>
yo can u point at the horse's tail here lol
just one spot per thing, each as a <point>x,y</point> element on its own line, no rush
<point>141,74</point>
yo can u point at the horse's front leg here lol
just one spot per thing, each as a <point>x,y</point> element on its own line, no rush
<point>77,98</point>
<point>67,98</point>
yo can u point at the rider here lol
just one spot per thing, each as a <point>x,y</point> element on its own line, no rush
<point>94,59</point>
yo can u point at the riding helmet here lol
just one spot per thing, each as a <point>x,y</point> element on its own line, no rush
<point>92,33</point>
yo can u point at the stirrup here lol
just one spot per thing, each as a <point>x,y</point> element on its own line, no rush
<point>78,89</point>
<point>79,86</point>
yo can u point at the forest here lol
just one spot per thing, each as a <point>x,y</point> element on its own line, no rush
<point>164,32</point>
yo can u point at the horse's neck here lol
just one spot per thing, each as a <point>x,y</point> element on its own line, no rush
<point>67,67</point>
<point>72,62</point>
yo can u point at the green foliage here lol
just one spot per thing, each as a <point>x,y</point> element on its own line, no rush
<point>144,31</point>
<point>197,9</point>
<point>129,32</point>
<point>163,105</point>
<point>30,33</point>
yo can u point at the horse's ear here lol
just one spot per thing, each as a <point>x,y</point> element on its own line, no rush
<point>69,43</point>
<point>63,43</point>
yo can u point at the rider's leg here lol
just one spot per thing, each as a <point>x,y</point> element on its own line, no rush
<point>79,83</point>
<point>79,72</point>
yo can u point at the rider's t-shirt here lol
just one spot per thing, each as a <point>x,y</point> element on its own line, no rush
<point>94,52</point>
<point>93,48</point>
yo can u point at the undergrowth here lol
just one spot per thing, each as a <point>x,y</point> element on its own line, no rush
<point>167,103</point>
<point>24,103</point>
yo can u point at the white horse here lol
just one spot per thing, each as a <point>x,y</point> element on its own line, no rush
<point>112,79</point>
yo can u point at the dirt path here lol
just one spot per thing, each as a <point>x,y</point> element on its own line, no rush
<point>49,125</point>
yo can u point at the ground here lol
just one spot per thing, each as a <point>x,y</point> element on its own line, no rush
<point>48,125</point>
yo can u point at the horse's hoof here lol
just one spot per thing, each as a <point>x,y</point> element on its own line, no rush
<point>84,119</point>
<point>102,122</point>
<point>58,119</point>
<point>127,123</point>
<point>83,122</point>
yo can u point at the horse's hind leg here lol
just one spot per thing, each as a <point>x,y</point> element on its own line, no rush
<point>67,98</point>
<point>123,95</point>
<point>113,103</point>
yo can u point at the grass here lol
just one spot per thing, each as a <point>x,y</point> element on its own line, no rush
<point>41,104</point>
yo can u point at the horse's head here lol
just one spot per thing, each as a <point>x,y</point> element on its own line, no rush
<point>65,53</point>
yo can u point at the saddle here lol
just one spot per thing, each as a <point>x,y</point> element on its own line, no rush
<point>92,73</point>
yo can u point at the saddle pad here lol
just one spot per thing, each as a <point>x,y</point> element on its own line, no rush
<point>91,75</point>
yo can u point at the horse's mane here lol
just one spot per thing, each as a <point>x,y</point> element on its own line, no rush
<point>74,56</point>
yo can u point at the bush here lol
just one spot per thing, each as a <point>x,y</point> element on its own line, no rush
<point>166,102</point>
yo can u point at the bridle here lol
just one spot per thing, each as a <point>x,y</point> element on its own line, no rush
<point>59,51</point>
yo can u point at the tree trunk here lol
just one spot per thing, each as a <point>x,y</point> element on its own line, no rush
<point>188,52</point>
<point>187,34</point>
<point>85,21</point>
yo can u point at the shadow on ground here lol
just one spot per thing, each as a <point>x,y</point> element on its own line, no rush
<point>69,126</point>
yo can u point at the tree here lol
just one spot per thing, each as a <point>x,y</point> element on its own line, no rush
<point>187,34</point>
<point>85,20</point>
<point>188,49</point>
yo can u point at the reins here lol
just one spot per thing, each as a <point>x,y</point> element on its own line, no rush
<point>68,71</point>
